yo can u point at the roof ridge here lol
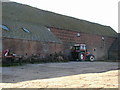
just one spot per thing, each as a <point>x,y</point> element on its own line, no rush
<point>52,19</point>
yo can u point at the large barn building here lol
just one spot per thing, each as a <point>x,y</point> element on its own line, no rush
<point>28,30</point>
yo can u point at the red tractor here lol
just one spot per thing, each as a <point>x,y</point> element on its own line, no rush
<point>79,52</point>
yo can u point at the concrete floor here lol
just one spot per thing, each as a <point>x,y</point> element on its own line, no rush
<point>52,70</point>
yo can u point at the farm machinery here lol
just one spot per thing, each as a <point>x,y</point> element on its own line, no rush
<point>79,52</point>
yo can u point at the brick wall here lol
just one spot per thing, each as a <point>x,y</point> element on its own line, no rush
<point>95,44</point>
<point>23,47</point>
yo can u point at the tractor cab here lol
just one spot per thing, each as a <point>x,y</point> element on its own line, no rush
<point>79,52</point>
<point>79,47</point>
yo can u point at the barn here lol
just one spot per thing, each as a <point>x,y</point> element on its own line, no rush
<point>28,30</point>
<point>27,39</point>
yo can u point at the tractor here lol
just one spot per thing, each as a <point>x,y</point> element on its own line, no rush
<point>79,52</point>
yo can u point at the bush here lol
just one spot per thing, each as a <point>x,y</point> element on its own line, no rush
<point>36,59</point>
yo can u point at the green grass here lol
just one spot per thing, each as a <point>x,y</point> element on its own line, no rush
<point>48,61</point>
<point>31,62</point>
<point>10,65</point>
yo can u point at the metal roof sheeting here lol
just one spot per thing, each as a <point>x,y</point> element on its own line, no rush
<point>36,32</point>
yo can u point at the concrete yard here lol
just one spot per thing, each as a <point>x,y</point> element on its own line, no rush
<point>61,75</point>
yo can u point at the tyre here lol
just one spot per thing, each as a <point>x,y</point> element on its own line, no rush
<point>91,58</point>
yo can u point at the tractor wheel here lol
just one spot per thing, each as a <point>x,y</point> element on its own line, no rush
<point>91,58</point>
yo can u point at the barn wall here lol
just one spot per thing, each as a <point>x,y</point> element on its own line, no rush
<point>94,43</point>
<point>23,47</point>
<point>114,51</point>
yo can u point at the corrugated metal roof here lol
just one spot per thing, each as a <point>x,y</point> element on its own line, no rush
<point>36,32</point>
<point>29,14</point>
